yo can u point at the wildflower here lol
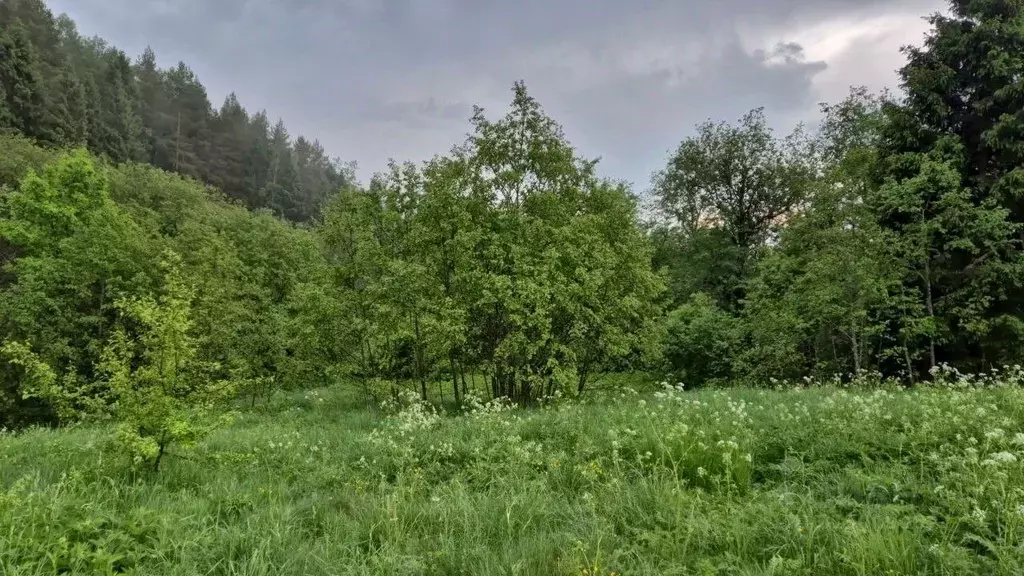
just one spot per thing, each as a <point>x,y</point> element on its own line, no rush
<point>1005,457</point>
<point>994,434</point>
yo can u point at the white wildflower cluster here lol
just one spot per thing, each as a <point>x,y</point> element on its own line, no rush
<point>474,405</point>
<point>861,380</point>
<point>315,396</point>
<point>998,458</point>
<point>410,413</point>
<point>946,376</point>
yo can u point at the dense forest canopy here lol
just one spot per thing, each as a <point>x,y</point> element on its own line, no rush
<point>65,90</point>
<point>161,255</point>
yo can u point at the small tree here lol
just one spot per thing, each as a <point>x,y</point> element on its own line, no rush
<point>700,342</point>
<point>162,393</point>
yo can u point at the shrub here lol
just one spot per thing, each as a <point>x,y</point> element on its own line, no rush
<point>699,342</point>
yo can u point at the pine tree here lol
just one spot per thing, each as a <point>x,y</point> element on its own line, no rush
<point>153,109</point>
<point>20,82</point>
<point>230,141</point>
<point>70,109</point>
<point>119,131</point>
<point>257,158</point>
<point>278,193</point>
<point>189,116</point>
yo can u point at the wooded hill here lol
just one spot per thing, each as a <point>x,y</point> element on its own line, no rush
<point>887,242</point>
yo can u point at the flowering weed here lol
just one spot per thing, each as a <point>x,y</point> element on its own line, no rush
<point>863,479</point>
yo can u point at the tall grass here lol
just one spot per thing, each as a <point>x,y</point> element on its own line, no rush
<point>747,482</point>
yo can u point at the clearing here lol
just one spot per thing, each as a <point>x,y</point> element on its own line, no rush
<point>812,481</point>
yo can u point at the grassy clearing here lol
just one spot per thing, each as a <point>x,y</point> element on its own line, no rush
<point>814,481</point>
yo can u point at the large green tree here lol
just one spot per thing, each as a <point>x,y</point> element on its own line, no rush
<point>952,180</point>
<point>725,191</point>
<point>22,105</point>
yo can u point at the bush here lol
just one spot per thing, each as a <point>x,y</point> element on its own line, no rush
<point>700,342</point>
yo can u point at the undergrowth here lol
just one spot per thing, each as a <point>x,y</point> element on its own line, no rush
<point>805,481</point>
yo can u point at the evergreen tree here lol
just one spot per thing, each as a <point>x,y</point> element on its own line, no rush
<point>71,109</point>
<point>278,193</point>
<point>119,132</point>
<point>189,115</point>
<point>230,140</point>
<point>21,83</point>
<point>257,159</point>
<point>153,109</point>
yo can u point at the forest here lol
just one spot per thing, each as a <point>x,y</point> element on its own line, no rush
<point>182,285</point>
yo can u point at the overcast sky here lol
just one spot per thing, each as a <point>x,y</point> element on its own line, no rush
<point>628,79</point>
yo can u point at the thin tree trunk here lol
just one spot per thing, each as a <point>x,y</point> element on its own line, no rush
<point>419,357</point>
<point>856,349</point>
<point>160,454</point>
<point>177,146</point>
<point>910,365</point>
<point>462,376</point>
<point>455,379</point>
<point>584,372</point>
<point>931,308</point>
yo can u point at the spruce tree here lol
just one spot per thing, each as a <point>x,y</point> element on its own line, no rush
<point>20,82</point>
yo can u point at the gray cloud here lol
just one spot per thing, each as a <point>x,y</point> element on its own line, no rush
<point>375,79</point>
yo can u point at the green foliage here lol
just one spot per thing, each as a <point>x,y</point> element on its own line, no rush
<point>80,237</point>
<point>21,105</point>
<point>65,90</point>
<point>950,171</point>
<point>700,342</point>
<point>817,481</point>
<point>20,156</point>
<point>725,191</point>
<point>509,257</point>
<point>161,392</point>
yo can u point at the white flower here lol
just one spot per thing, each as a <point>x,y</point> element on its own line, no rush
<point>1003,457</point>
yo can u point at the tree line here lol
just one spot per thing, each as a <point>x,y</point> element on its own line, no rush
<point>887,240</point>
<point>65,90</point>
<point>891,241</point>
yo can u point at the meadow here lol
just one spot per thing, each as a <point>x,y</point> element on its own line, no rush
<point>815,480</point>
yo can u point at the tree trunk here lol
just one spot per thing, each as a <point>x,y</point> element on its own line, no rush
<point>910,365</point>
<point>856,349</point>
<point>462,376</point>
<point>418,355</point>
<point>931,309</point>
<point>584,372</point>
<point>160,454</point>
<point>455,379</point>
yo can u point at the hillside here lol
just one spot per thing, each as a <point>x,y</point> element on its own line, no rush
<point>64,90</point>
<point>219,354</point>
<point>808,481</point>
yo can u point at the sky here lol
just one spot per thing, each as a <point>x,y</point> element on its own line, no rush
<point>627,79</point>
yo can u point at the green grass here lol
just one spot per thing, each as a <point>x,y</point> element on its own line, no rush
<point>746,482</point>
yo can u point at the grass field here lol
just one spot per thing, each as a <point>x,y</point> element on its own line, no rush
<point>803,482</point>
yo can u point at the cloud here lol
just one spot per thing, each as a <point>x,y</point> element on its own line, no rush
<point>375,79</point>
